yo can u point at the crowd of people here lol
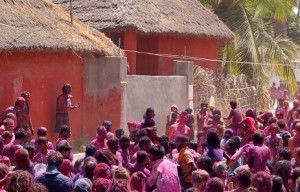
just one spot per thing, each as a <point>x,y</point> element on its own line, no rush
<point>208,152</point>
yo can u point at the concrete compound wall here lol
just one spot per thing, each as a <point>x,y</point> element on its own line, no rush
<point>103,92</point>
<point>159,92</point>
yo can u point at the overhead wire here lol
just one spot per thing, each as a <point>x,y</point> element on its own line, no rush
<point>185,57</point>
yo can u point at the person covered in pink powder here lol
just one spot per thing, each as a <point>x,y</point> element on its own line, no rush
<point>296,105</point>
<point>216,124</point>
<point>249,129</point>
<point>100,141</point>
<point>63,105</point>
<point>164,175</point>
<point>259,154</point>
<point>180,128</point>
<point>42,155</point>
<point>285,110</point>
<point>108,125</point>
<point>41,132</point>
<point>236,117</point>
<point>273,141</point>
<point>273,93</point>
<point>172,117</point>
<point>203,116</point>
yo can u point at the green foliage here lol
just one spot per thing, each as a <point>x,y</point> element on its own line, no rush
<point>253,23</point>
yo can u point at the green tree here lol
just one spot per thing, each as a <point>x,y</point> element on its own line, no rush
<point>258,39</point>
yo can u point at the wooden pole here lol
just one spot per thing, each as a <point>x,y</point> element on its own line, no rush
<point>71,11</point>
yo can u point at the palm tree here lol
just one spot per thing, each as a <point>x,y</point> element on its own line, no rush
<point>259,27</point>
<point>257,38</point>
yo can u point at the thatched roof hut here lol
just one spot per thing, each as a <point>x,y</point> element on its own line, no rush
<point>41,25</point>
<point>177,17</point>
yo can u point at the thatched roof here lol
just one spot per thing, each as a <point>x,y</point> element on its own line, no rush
<point>176,17</point>
<point>41,25</point>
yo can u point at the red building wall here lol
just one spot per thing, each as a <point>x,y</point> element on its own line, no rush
<point>143,64</point>
<point>147,64</point>
<point>42,74</point>
<point>191,46</point>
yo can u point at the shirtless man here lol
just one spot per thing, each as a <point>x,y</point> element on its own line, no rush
<point>273,93</point>
<point>180,128</point>
<point>63,105</point>
<point>236,117</point>
<point>294,142</point>
<point>203,116</point>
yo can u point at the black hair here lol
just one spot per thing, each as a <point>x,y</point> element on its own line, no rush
<point>282,168</point>
<point>216,118</point>
<point>7,134</point>
<point>215,184</point>
<point>188,110</point>
<point>163,137</point>
<point>157,150</point>
<point>258,137</point>
<point>124,138</point>
<point>193,145</point>
<point>42,131</point>
<point>149,110</point>
<point>42,140</point>
<point>64,129</point>
<point>296,174</point>
<point>277,183</point>
<point>142,133</point>
<point>107,124</point>
<point>141,156</point>
<point>111,142</point>
<point>172,143</point>
<point>217,112</point>
<point>213,139</point>
<point>65,87</point>
<point>90,150</point>
<point>203,104</point>
<point>228,132</point>
<point>20,133</point>
<point>232,144</point>
<point>205,163</point>
<point>55,159</point>
<point>29,147</point>
<point>237,141</point>
<point>105,156</point>
<point>244,177</point>
<point>120,130</point>
<point>184,113</point>
<point>285,153</point>
<point>272,120</point>
<point>144,141</point>
<point>64,146</point>
<point>182,138</point>
<point>281,124</point>
<point>233,104</point>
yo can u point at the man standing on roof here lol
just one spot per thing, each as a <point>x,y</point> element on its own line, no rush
<point>63,105</point>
